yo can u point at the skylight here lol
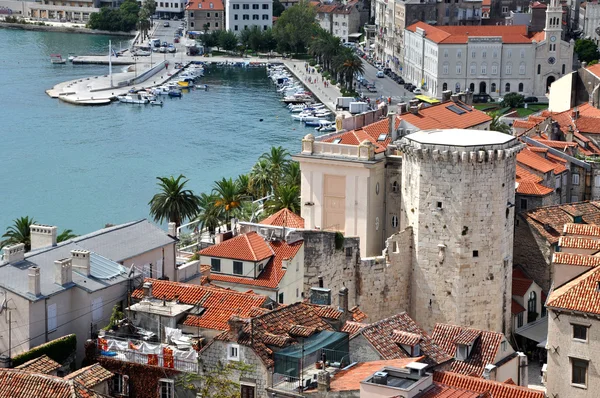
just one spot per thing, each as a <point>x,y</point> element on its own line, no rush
<point>456,109</point>
<point>382,137</point>
<point>337,140</point>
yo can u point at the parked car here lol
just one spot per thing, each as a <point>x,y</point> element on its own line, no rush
<point>166,24</point>
<point>531,99</point>
<point>387,71</point>
<point>399,80</point>
<point>171,49</point>
<point>371,88</point>
<point>380,73</point>
<point>478,98</point>
<point>365,82</point>
<point>417,90</point>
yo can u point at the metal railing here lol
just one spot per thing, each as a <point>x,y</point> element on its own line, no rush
<point>170,362</point>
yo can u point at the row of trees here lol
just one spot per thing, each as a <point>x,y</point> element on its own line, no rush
<point>19,232</point>
<point>129,16</point>
<point>273,174</point>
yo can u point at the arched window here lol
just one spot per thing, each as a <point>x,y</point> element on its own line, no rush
<point>472,87</point>
<point>493,89</point>
<point>507,88</point>
<point>539,69</point>
<point>532,307</point>
<point>520,87</point>
<point>444,86</point>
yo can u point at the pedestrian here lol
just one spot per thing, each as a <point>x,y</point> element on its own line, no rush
<point>389,100</point>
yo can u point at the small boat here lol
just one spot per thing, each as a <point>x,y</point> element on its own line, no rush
<point>183,84</point>
<point>202,87</point>
<point>133,99</point>
<point>156,103</point>
<point>57,59</point>
<point>325,126</point>
<point>71,57</point>
<point>175,93</point>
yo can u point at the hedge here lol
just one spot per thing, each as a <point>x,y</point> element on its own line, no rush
<point>58,350</point>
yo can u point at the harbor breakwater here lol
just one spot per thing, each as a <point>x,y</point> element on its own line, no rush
<point>63,29</point>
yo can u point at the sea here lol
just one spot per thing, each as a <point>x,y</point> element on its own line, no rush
<point>81,168</point>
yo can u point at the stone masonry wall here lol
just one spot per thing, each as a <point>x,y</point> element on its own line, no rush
<point>259,375</point>
<point>533,253</point>
<point>362,351</point>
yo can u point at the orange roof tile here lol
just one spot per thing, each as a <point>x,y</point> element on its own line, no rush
<point>581,260</point>
<point>21,383</point>
<point>246,247</point>
<point>539,37</point>
<point>43,364</point>
<point>497,389</point>
<point>562,145</point>
<point>581,294</point>
<point>440,116</point>
<point>570,242</point>
<point>520,282</point>
<point>219,304</point>
<point>284,218</point>
<point>485,347</point>
<point>511,34</point>
<point>532,160</point>
<point>525,175</point>
<point>581,229</point>
<point>90,376</point>
<point>205,5</point>
<point>549,221</point>
<point>594,69</point>
<point>352,328</point>
<point>273,271</point>
<point>437,390</point>
<point>370,132</point>
<point>533,189</point>
<point>349,379</point>
<point>524,124</point>
<point>516,308</point>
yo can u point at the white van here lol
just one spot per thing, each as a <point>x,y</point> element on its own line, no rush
<point>155,42</point>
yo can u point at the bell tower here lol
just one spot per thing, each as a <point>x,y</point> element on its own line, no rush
<point>553,28</point>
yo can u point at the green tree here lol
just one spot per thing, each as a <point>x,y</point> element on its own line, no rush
<point>278,8</point>
<point>228,40</point>
<point>150,5</point>
<point>325,48</point>
<point>513,100</point>
<point>269,41</point>
<point>277,159</point>
<point>210,216</point>
<point>586,50</point>
<point>229,196</point>
<point>173,203</point>
<point>216,382</point>
<point>347,65</point>
<point>292,174</point>
<point>18,233</point>
<point>260,179</point>
<point>499,125</point>
<point>144,22</point>
<point>295,27</point>
<point>129,10</point>
<point>255,39</point>
<point>285,197</point>
<point>243,182</point>
<point>115,317</point>
<point>66,234</point>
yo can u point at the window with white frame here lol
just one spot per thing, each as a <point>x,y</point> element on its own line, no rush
<point>575,179</point>
<point>458,69</point>
<point>494,69</point>
<point>473,68</point>
<point>522,69</point>
<point>119,385</point>
<point>445,53</point>
<point>522,53</point>
<point>458,53</point>
<point>508,68</point>
<point>51,310</point>
<point>483,54</point>
<point>445,69</point>
<point>495,54</point>
<point>483,69</point>
<point>233,352</point>
<point>509,53</point>
<point>166,388</point>
<point>580,332</point>
<point>504,10</point>
<point>579,368</point>
<point>473,54</point>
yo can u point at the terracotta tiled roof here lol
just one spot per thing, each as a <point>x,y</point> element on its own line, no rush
<point>370,132</point>
<point>273,271</point>
<point>562,145</point>
<point>534,161</point>
<point>205,5</point>
<point>352,328</point>
<point>437,390</point>
<point>483,352</point>
<point>41,364</point>
<point>284,218</point>
<point>525,175</point>
<point>512,34</point>
<point>581,294</point>
<point>581,229</point>
<point>219,304</point>
<point>357,314</point>
<point>539,37</point>
<point>594,69</point>
<point>246,247</point>
<point>21,383</point>
<point>467,336</point>
<point>350,378</point>
<point>90,376</point>
<point>380,333</point>
<point>524,124</point>
<point>575,259</point>
<point>533,189</point>
<point>301,331</point>
<point>332,312</point>
<point>520,282</point>
<point>277,322</point>
<point>497,389</point>
<point>516,308</point>
<point>569,242</point>
<point>549,221</point>
<point>441,116</point>
<point>405,338</point>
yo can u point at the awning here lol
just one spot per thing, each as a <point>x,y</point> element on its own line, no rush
<point>355,35</point>
<point>542,344</point>
<point>536,331</point>
<point>372,45</point>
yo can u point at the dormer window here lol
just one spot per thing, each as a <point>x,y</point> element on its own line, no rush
<point>462,352</point>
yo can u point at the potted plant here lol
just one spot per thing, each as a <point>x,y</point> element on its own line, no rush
<point>319,365</point>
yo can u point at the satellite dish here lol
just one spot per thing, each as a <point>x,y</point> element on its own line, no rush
<point>598,30</point>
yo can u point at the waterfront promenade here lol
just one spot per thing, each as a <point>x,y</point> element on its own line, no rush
<point>327,95</point>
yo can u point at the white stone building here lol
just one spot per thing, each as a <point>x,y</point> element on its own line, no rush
<point>171,8</point>
<point>589,20</point>
<point>385,37</point>
<point>341,20</point>
<point>243,14</point>
<point>487,61</point>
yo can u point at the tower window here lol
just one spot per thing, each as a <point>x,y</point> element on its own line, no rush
<point>475,253</point>
<point>439,205</point>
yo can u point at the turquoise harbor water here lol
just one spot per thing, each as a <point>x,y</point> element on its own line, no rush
<point>83,167</point>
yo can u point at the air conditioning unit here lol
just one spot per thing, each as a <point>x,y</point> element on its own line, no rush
<point>263,231</point>
<point>380,378</point>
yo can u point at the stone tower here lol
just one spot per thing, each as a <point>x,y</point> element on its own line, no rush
<point>458,192</point>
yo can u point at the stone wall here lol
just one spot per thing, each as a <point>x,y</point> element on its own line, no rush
<point>533,253</point>
<point>362,351</point>
<point>258,376</point>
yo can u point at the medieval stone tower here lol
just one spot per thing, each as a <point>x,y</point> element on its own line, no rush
<point>458,192</point>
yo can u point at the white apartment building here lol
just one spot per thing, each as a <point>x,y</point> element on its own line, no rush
<point>170,8</point>
<point>243,14</point>
<point>384,39</point>
<point>487,61</point>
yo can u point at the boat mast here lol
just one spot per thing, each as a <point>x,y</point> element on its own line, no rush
<point>110,61</point>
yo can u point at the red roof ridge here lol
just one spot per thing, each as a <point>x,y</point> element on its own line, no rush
<point>497,389</point>
<point>579,294</point>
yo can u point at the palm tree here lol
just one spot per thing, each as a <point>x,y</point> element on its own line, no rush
<point>277,159</point>
<point>173,203</point>
<point>292,174</point>
<point>210,216</point>
<point>260,179</point>
<point>18,233</point>
<point>66,234</point>
<point>243,181</point>
<point>286,197</point>
<point>498,125</point>
<point>350,66</point>
<point>228,195</point>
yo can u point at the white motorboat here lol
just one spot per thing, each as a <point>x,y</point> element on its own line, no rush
<point>156,103</point>
<point>202,87</point>
<point>133,99</point>
<point>304,116</point>
<point>57,59</point>
<point>71,57</point>
<point>325,126</point>
<point>161,90</point>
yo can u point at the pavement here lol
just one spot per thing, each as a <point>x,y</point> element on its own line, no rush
<point>327,95</point>
<point>386,87</point>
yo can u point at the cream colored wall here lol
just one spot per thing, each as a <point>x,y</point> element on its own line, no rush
<point>248,267</point>
<point>293,279</point>
<point>564,273</point>
<point>508,370</point>
<point>19,309</point>
<point>362,205</point>
<point>560,94</point>
<point>154,256</point>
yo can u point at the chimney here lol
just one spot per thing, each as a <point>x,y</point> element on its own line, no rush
<point>81,260</point>
<point>489,372</point>
<point>63,272</point>
<point>323,381</point>
<point>414,110</point>
<point>413,102</point>
<point>343,300</point>
<point>402,108</point>
<point>454,97</point>
<point>446,95</point>
<point>575,113</point>
<point>392,125</point>
<point>42,236</point>
<point>172,229</point>
<point>236,325</point>
<point>584,64</point>
<point>147,288</point>
<point>34,281</point>
<point>569,135</point>
<point>468,98</point>
<point>15,253</point>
